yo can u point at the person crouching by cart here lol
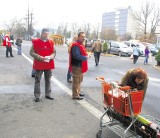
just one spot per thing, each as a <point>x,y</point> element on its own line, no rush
<point>136,79</point>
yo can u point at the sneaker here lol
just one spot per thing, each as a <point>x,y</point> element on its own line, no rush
<point>36,99</point>
<point>69,80</point>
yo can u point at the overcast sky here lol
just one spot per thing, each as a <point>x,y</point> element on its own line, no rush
<point>53,12</point>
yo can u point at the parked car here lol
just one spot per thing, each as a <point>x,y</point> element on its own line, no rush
<point>120,49</point>
<point>141,47</point>
<point>153,49</point>
<point>88,43</point>
<point>132,44</point>
<point>157,46</point>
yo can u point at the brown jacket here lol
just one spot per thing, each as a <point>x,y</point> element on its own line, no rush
<point>129,80</point>
<point>97,47</point>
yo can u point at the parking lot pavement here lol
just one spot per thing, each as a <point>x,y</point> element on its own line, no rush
<point>21,117</point>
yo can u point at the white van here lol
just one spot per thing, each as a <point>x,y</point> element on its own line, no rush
<point>140,46</point>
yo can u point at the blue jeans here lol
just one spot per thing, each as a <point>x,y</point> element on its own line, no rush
<point>146,59</point>
<point>19,50</point>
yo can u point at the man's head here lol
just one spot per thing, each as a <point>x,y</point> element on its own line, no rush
<point>81,37</point>
<point>44,34</point>
<point>8,34</point>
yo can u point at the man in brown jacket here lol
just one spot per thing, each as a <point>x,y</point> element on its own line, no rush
<point>97,49</point>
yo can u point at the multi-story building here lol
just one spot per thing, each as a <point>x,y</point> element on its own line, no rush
<point>121,21</point>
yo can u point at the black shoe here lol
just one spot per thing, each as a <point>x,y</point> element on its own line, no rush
<point>36,99</point>
<point>12,56</point>
<point>50,98</point>
<point>33,75</point>
<point>81,94</point>
<point>78,98</point>
<point>7,56</point>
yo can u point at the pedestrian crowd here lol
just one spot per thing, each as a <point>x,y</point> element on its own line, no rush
<point>8,41</point>
<point>43,52</point>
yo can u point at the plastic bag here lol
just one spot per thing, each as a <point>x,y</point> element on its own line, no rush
<point>131,57</point>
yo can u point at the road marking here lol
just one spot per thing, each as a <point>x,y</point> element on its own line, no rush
<point>83,102</point>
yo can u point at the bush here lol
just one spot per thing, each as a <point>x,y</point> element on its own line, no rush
<point>157,58</point>
<point>105,47</point>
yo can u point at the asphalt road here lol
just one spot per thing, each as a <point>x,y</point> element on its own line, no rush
<point>21,117</point>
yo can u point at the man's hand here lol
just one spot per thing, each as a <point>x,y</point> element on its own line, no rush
<point>42,58</point>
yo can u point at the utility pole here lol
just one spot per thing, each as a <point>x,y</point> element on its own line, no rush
<point>28,23</point>
<point>31,27</point>
<point>98,31</point>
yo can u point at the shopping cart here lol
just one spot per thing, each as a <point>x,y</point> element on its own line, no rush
<point>123,101</point>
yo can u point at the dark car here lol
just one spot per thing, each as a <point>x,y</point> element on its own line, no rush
<point>157,46</point>
<point>88,43</point>
<point>153,50</point>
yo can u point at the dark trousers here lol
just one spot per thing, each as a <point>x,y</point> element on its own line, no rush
<point>135,58</point>
<point>47,77</point>
<point>8,50</point>
<point>97,57</point>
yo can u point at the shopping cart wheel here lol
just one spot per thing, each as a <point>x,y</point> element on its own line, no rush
<point>99,134</point>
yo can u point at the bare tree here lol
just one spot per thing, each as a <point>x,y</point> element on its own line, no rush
<point>74,28</point>
<point>63,30</point>
<point>147,19</point>
<point>86,27</point>
<point>11,24</point>
<point>108,34</point>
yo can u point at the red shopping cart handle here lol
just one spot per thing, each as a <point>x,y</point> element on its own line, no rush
<point>125,88</point>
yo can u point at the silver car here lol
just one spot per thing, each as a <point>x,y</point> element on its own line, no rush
<point>120,49</point>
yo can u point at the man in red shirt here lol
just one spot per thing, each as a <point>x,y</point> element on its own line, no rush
<point>42,51</point>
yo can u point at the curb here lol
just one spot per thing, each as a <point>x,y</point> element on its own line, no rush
<point>156,67</point>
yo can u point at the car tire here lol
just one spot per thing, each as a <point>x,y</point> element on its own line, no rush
<point>120,53</point>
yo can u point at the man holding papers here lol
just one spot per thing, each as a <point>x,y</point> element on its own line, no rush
<point>42,51</point>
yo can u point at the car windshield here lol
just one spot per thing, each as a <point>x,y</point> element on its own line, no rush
<point>141,46</point>
<point>122,45</point>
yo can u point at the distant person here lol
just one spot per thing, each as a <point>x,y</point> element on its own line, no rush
<point>146,51</point>
<point>79,65</point>
<point>19,45</point>
<point>136,79</point>
<point>7,44</point>
<point>2,36</point>
<point>69,74</point>
<point>97,49</point>
<point>136,54</point>
<point>42,51</point>
<point>12,39</point>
